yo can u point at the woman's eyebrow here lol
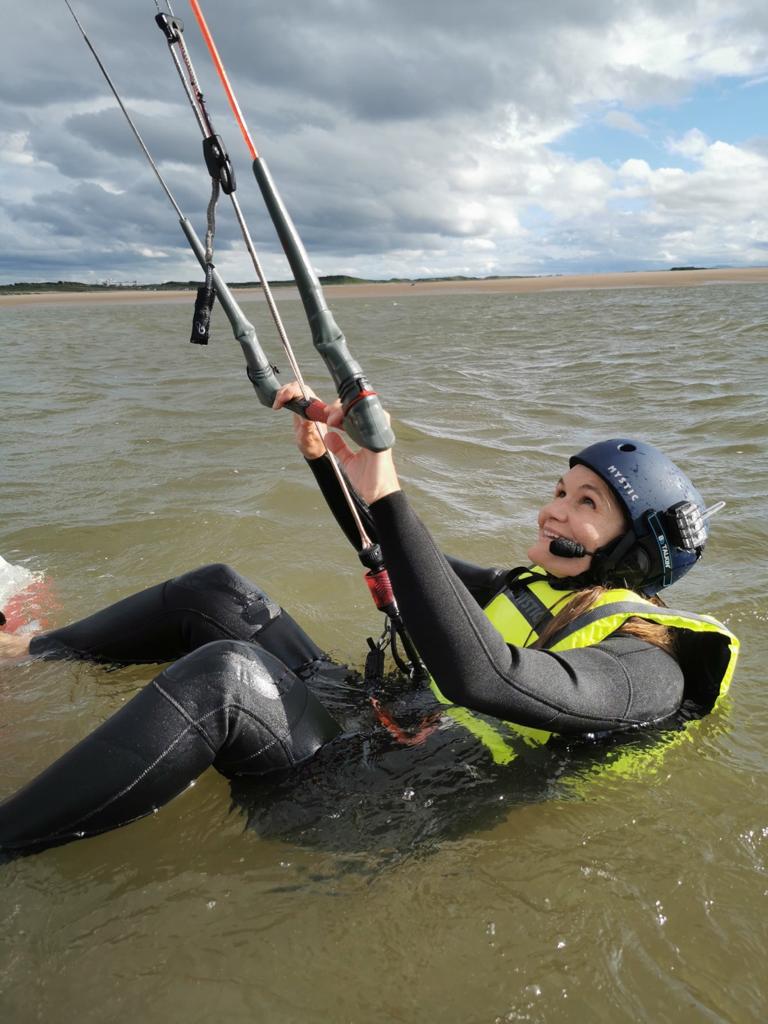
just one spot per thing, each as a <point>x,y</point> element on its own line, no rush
<point>595,488</point>
<point>602,492</point>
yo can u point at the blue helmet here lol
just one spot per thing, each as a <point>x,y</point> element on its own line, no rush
<point>665,516</point>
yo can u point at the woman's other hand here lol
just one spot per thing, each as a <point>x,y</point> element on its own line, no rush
<point>372,474</point>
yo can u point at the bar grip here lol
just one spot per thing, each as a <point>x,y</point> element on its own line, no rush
<point>314,410</point>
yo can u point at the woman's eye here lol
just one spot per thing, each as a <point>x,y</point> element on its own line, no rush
<point>588,501</point>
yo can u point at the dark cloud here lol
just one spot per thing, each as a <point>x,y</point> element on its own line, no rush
<point>396,130</point>
<point>758,144</point>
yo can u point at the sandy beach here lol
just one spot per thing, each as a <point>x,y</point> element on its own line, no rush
<point>522,285</point>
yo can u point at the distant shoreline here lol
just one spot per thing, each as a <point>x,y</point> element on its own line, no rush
<point>395,289</point>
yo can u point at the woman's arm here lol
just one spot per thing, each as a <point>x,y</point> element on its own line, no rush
<point>620,683</point>
<point>482,583</point>
<point>310,440</point>
<point>330,488</point>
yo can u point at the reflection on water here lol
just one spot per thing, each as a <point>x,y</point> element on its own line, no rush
<point>383,883</point>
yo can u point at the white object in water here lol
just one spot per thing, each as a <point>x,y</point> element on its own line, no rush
<point>13,579</point>
<point>23,597</point>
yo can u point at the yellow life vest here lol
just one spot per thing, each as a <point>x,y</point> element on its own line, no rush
<point>706,649</point>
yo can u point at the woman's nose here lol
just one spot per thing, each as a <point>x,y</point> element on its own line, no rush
<point>556,510</point>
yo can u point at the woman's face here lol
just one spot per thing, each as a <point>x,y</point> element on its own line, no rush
<point>583,509</point>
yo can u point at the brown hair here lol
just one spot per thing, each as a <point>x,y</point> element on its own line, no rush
<point>652,632</point>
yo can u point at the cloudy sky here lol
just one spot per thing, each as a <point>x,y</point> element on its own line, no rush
<point>410,138</point>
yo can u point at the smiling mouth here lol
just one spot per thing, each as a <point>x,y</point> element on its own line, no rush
<point>551,535</point>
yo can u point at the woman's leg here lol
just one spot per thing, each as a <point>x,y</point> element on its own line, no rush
<point>227,704</point>
<point>178,616</point>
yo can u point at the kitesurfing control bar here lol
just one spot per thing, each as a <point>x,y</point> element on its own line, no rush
<point>364,418</point>
<point>223,177</point>
<point>260,371</point>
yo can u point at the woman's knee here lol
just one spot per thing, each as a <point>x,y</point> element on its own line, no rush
<point>253,709</point>
<point>231,673</point>
<point>222,671</point>
<point>220,593</point>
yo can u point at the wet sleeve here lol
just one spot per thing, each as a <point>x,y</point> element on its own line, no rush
<point>482,583</point>
<point>620,683</point>
<point>337,503</point>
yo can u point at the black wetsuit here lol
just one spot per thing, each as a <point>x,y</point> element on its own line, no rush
<point>618,684</point>
<point>250,693</point>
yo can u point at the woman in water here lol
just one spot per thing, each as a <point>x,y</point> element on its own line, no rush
<point>575,644</point>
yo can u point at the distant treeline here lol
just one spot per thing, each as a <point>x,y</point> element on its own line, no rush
<point>108,286</point>
<point>180,286</point>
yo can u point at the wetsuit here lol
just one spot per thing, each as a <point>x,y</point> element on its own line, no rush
<point>621,683</point>
<point>236,698</point>
<point>240,696</point>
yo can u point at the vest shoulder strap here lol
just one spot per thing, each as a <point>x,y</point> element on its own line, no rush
<point>706,649</point>
<point>610,608</point>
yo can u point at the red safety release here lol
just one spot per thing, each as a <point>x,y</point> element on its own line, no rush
<point>316,410</point>
<point>380,588</point>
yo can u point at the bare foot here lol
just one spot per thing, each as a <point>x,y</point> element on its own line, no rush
<point>13,647</point>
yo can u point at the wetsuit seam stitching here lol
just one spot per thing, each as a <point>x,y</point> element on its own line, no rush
<point>191,722</point>
<point>205,617</point>
<point>250,757</point>
<point>196,723</point>
<point>126,789</point>
<point>252,717</point>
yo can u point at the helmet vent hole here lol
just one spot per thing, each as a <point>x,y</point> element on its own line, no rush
<point>627,448</point>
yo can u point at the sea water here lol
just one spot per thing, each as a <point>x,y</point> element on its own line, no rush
<point>129,456</point>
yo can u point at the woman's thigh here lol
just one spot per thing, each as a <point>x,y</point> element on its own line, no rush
<point>172,619</point>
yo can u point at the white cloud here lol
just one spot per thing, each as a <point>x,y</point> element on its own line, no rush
<point>405,138</point>
<point>635,170</point>
<point>714,213</point>
<point>14,149</point>
<point>693,144</point>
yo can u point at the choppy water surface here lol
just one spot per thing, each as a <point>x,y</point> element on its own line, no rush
<point>128,456</point>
